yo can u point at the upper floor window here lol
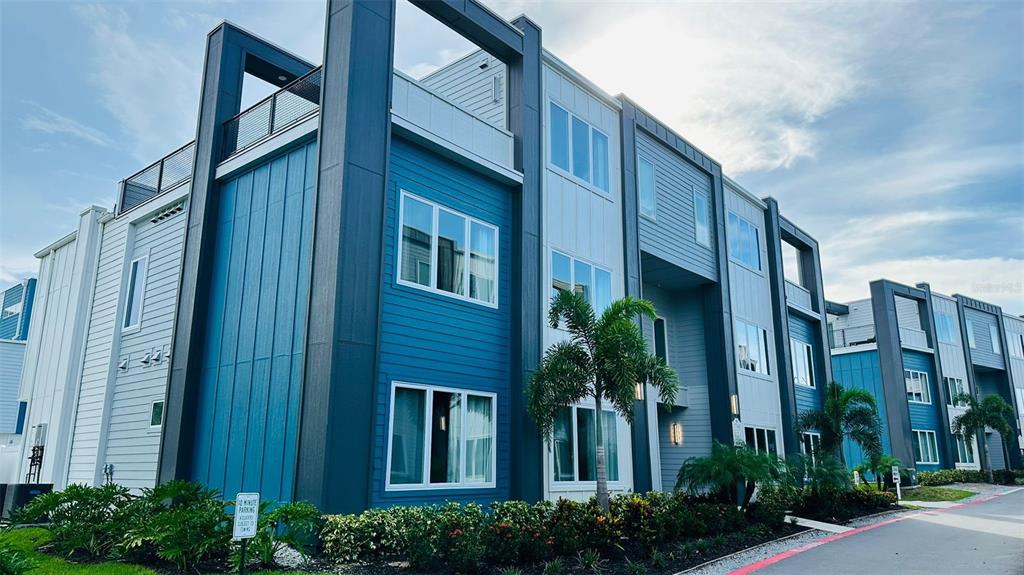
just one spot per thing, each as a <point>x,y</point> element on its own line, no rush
<point>441,438</point>
<point>578,148</point>
<point>918,390</point>
<point>761,439</point>
<point>592,282</point>
<point>926,450</point>
<point>744,245</point>
<point>646,187</point>
<point>136,292</point>
<point>11,309</point>
<point>435,242</point>
<point>156,413</point>
<point>701,218</point>
<point>751,347</point>
<point>970,334</point>
<point>574,444</point>
<point>954,389</point>
<point>803,362</point>
<point>993,333</point>
<point>945,328</point>
<point>1016,341</point>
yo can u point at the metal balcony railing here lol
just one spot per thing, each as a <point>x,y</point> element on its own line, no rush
<point>167,173</point>
<point>286,107</point>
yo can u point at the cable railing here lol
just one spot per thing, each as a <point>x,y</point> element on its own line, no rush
<point>286,107</point>
<point>167,173</point>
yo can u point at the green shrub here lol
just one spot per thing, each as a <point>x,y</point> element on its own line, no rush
<point>372,534</point>
<point>947,476</point>
<point>83,520</point>
<point>516,532</point>
<point>292,525</point>
<point>449,535</point>
<point>14,561</point>
<point>576,526</point>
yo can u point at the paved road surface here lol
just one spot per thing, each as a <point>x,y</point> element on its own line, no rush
<point>984,538</point>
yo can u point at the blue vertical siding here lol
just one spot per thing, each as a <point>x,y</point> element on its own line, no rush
<point>926,416</point>
<point>861,371</point>
<point>248,401</point>
<point>982,353</point>
<point>807,398</point>
<point>432,339</point>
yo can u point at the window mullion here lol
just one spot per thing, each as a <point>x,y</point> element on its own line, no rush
<point>462,440</point>
<point>428,436</point>
<point>467,226</point>
<point>575,445</point>
<point>434,239</point>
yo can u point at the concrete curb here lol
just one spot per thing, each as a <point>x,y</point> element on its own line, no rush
<point>748,549</point>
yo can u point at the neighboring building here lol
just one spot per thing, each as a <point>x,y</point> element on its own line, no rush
<point>915,351</point>
<point>15,318</point>
<point>16,311</point>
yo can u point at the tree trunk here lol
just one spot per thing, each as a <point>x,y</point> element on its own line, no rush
<point>1006,453</point>
<point>602,469</point>
<point>988,459</point>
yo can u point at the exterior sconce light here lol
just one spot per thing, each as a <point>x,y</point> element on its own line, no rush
<point>734,402</point>
<point>675,433</point>
<point>639,392</point>
<point>443,424</point>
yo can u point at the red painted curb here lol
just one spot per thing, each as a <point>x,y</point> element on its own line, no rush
<point>819,542</point>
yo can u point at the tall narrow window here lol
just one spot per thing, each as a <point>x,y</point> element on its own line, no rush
<point>580,149</point>
<point>156,414</point>
<point>574,444</point>
<point>660,339</point>
<point>562,446</point>
<point>583,282</point>
<point>744,242</point>
<point>646,187</point>
<point>479,440</point>
<point>602,290</point>
<point>701,218</point>
<point>483,263</point>
<point>451,252</point>
<point>600,150</point>
<point>408,435</point>
<point>559,120</point>
<point>561,273</point>
<point>969,325</point>
<point>993,333</point>
<point>417,238</point>
<point>803,362</point>
<point>964,450</point>
<point>445,435</point>
<point>136,293</point>
<point>954,388</point>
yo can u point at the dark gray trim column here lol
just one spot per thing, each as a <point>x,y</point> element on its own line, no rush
<point>230,53</point>
<point>780,316</point>
<point>335,434</point>
<point>890,362</point>
<point>926,312</point>
<point>722,385</point>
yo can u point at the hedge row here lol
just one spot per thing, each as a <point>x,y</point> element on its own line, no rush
<point>463,538</point>
<point>947,476</point>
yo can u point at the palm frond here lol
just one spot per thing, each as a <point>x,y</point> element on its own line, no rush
<point>564,377</point>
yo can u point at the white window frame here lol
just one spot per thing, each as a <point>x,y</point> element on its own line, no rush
<point>428,432</point>
<point>763,346</point>
<point>993,332</point>
<point>815,445</point>
<point>971,342</point>
<point>589,180</point>
<point>705,240</point>
<point>757,447</point>
<point>572,276</point>
<point>125,326</point>
<point>653,214</point>
<point>921,434</point>
<point>757,244</point>
<point>805,352</point>
<point>918,385</point>
<point>961,387</point>
<point>467,237</point>
<point>575,482</point>
<point>969,450</point>
<point>1016,344</point>
<point>152,404</point>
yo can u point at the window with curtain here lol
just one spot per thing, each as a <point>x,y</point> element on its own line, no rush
<point>701,218</point>
<point>136,292</point>
<point>926,450</point>
<point>964,450</point>
<point>441,438</point>
<point>574,444</point>
<point>918,390</point>
<point>433,252</point>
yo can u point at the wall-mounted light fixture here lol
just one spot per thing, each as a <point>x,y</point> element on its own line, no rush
<point>675,433</point>
<point>443,424</point>
<point>734,402</point>
<point>639,392</point>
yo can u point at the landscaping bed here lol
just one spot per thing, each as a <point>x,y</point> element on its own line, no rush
<point>929,493</point>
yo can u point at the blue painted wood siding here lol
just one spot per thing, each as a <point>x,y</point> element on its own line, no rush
<point>807,398</point>
<point>982,353</point>
<point>432,339</point>
<point>249,393</point>
<point>861,371</point>
<point>670,235</point>
<point>925,416</point>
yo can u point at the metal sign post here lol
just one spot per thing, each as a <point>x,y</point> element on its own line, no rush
<point>247,513</point>
<point>896,480</point>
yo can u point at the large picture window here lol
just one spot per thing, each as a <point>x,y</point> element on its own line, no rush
<point>751,347</point>
<point>744,242</point>
<point>578,148</point>
<point>441,438</point>
<point>434,242</point>
<point>592,282</point>
<point>918,390</point>
<point>136,293</point>
<point>926,450</point>
<point>954,388</point>
<point>803,362</point>
<point>574,444</point>
<point>761,439</point>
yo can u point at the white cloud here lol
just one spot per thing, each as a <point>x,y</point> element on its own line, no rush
<point>45,120</point>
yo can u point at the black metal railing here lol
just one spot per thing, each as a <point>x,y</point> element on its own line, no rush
<point>167,173</point>
<point>286,107</point>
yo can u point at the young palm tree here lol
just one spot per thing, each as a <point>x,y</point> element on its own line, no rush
<point>730,473</point>
<point>604,359</point>
<point>847,413</point>
<point>992,411</point>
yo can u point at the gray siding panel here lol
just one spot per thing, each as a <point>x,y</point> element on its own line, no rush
<point>670,235</point>
<point>982,353</point>
<point>471,87</point>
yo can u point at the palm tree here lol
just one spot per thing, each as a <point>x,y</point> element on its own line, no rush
<point>604,359</point>
<point>847,413</point>
<point>993,412</point>
<point>730,473</point>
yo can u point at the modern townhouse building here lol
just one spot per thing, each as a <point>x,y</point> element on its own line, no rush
<point>16,302</point>
<point>916,350</point>
<point>359,269</point>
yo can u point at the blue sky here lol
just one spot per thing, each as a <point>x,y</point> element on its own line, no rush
<point>892,132</point>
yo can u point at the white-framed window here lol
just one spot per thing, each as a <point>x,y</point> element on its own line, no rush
<point>926,450</point>
<point>744,242</point>
<point>701,218</point>
<point>594,283</point>
<point>1016,344</point>
<point>993,333</point>
<point>761,439</point>
<point>803,362</point>
<point>156,413</point>
<point>574,445</point>
<point>751,347</point>
<point>136,292</point>
<point>13,308</point>
<point>954,387</point>
<point>918,390</point>
<point>441,438</point>
<point>1019,392</point>
<point>578,148</point>
<point>964,450</point>
<point>945,327</point>
<point>810,443</point>
<point>646,187</point>
<point>970,334</point>
<point>433,244</point>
